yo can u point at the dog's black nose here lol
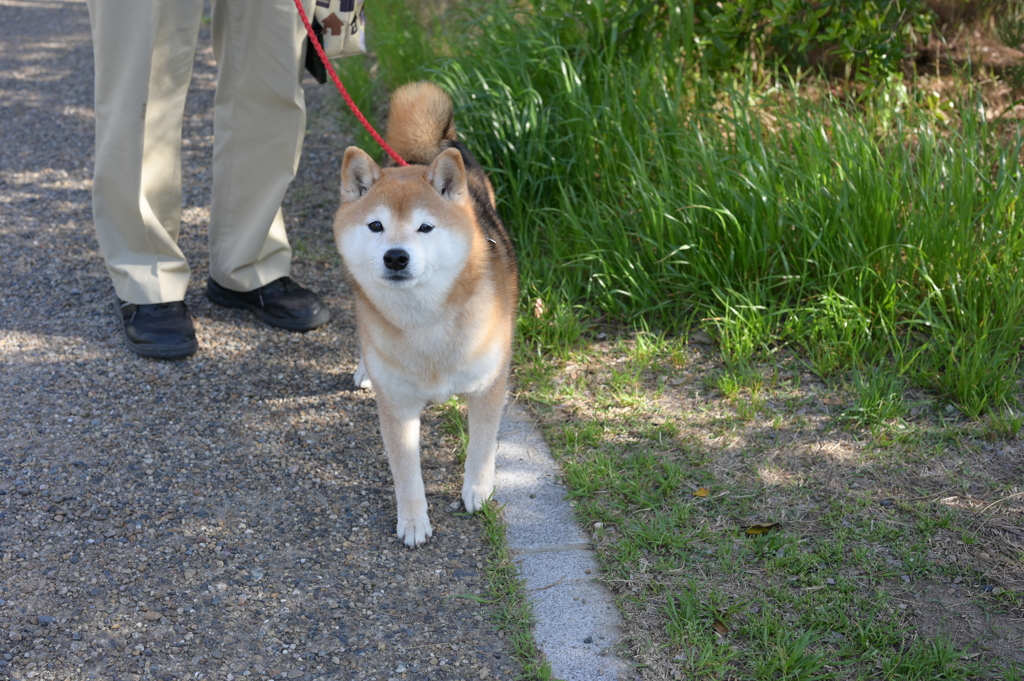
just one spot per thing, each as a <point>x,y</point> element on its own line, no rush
<point>396,259</point>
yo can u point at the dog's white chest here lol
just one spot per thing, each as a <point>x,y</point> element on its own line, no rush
<point>434,363</point>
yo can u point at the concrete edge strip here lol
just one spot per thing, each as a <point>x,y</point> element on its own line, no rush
<point>578,625</point>
<point>580,546</point>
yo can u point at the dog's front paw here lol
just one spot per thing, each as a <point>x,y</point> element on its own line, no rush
<point>475,496</point>
<point>414,531</point>
<point>361,378</point>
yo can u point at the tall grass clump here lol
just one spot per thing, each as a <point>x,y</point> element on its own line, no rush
<point>639,185</point>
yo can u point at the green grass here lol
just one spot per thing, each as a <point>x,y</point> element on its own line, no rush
<point>879,397</point>
<point>831,592</point>
<point>634,190</point>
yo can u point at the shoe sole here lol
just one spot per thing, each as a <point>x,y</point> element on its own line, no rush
<point>314,323</point>
<point>176,351</point>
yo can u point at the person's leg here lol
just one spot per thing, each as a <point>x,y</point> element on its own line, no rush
<point>143,58</point>
<point>259,125</point>
<point>144,51</point>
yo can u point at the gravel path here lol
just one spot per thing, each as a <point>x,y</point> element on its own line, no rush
<point>227,516</point>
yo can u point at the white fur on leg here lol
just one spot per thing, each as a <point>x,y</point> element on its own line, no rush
<point>362,379</point>
<point>475,496</point>
<point>484,416</point>
<point>400,429</point>
<point>414,531</point>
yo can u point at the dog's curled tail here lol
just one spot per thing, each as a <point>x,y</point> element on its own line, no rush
<point>421,118</point>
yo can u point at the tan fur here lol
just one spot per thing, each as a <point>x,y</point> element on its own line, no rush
<point>421,116</point>
<point>442,322</point>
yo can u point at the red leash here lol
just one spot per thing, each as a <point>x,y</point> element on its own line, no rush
<point>341,88</point>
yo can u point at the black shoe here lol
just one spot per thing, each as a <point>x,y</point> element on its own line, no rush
<point>281,303</point>
<point>161,330</point>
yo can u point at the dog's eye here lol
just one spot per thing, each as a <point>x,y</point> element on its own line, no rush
<point>375,226</point>
<point>424,228</point>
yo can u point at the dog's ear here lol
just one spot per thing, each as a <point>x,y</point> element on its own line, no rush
<point>448,176</point>
<point>358,173</point>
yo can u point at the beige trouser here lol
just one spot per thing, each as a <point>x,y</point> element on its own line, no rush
<point>144,51</point>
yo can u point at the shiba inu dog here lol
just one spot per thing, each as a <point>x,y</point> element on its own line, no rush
<point>436,289</point>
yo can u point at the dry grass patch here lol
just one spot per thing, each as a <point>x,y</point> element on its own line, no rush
<point>899,545</point>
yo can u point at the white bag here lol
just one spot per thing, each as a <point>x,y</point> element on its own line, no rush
<point>344,26</point>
